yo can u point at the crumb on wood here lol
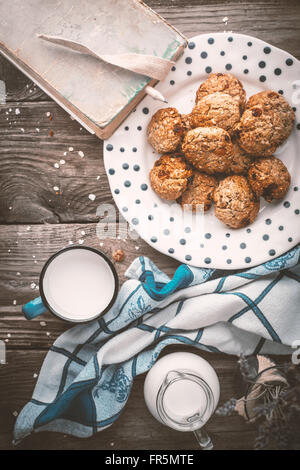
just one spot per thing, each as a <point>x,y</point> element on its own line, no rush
<point>118,255</point>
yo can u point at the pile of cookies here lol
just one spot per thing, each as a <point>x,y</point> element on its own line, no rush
<point>222,151</point>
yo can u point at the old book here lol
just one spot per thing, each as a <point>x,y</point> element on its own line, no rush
<point>97,94</point>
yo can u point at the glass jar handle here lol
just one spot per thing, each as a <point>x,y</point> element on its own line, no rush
<point>203,439</point>
<point>200,434</point>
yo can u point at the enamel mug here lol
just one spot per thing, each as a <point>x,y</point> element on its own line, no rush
<point>77,284</point>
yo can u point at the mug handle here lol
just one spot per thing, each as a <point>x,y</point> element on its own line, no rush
<point>34,308</point>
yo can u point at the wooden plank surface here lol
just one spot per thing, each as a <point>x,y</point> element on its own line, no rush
<point>30,247</point>
<point>135,429</point>
<point>36,220</point>
<point>29,175</point>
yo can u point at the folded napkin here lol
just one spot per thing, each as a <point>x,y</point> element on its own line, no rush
<point>87,375</point>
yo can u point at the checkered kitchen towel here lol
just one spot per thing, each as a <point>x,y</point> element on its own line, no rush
<point>87,375</point>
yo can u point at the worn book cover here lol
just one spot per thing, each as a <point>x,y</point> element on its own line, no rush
<point>97,94</point>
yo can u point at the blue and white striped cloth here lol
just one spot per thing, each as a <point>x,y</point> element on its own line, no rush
<point>87,375</point>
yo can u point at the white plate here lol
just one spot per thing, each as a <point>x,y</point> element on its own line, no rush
<point>202,240</point>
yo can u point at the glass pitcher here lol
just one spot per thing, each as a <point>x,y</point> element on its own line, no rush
<point>183,398</point>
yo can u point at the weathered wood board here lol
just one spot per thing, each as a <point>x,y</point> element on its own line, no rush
<point>27,199</point>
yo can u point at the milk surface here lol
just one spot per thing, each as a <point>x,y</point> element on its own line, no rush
<point>182,398</point>
<point>78,284</point>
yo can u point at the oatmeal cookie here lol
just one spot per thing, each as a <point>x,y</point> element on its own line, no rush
<point>186,122</point>
<point>236,205</point>
<point>216,109</point>
<point>259,134</point>
<point>209,149</point>
<point>199,193</point>
<point>165,130</point>
<point>170,176</point>
<point>225,83</point>
<point>272,102</point>
<point>269,177</point>
<point>241,161</point>
<point>266,123</point>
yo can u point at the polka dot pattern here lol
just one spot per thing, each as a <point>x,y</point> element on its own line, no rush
<point>128,159</point>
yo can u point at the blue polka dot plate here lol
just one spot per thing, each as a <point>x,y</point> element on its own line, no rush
<point>201,239</point>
